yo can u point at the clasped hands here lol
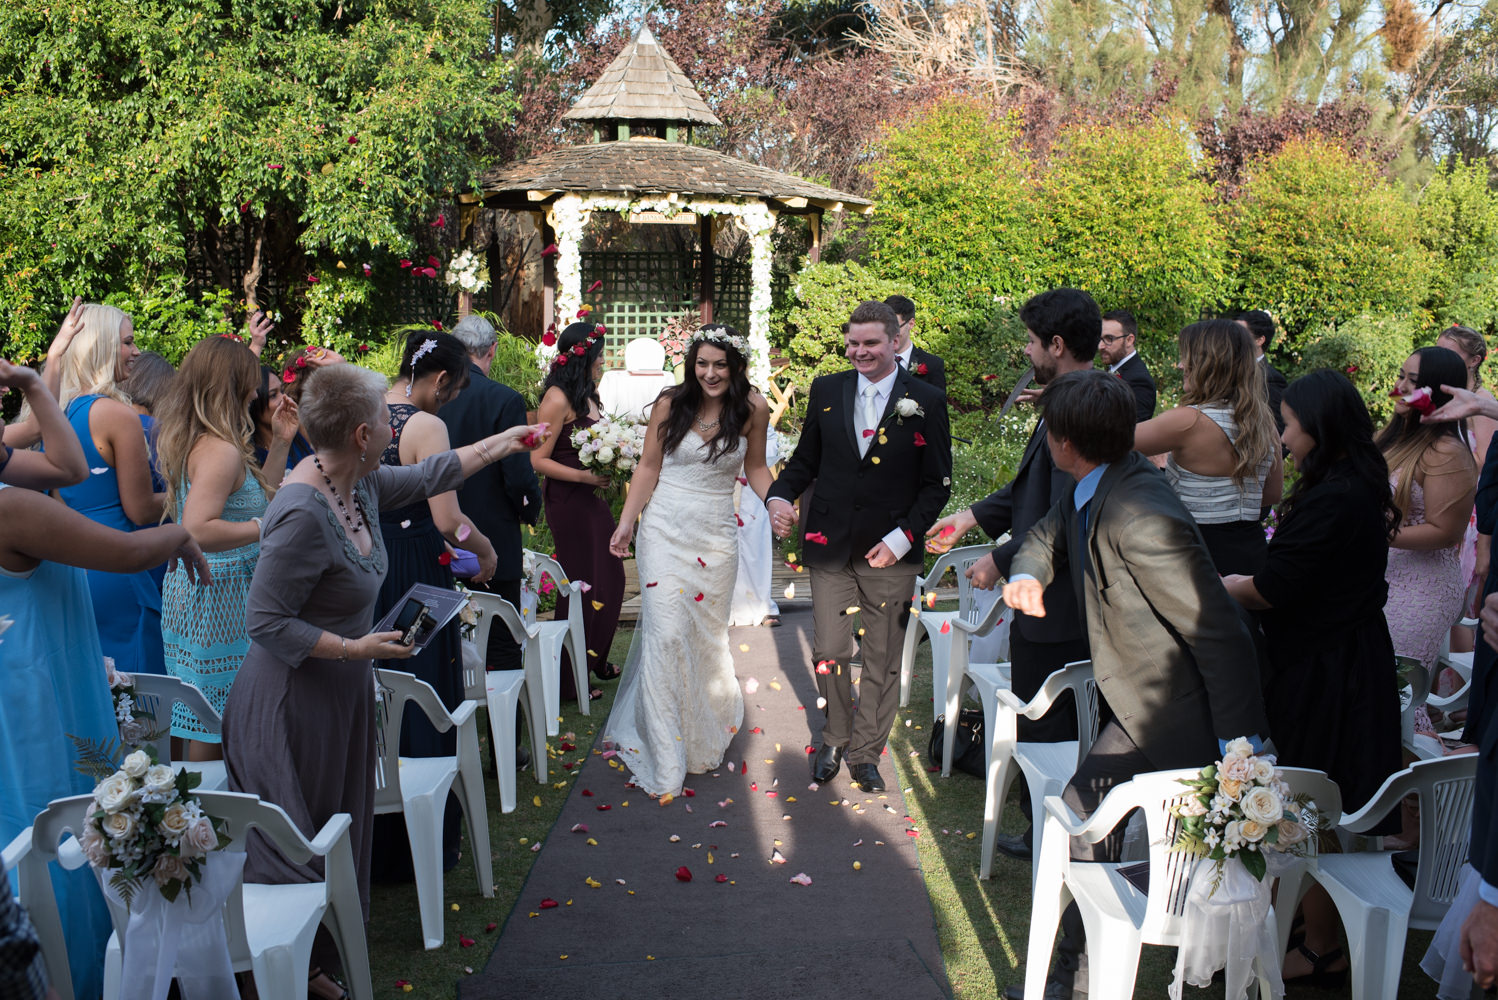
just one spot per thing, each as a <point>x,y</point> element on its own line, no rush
<point>783,521</point>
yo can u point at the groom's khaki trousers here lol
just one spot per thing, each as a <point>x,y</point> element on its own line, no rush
<point>881,597</point>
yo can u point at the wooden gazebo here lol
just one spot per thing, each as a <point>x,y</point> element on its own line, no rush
<point>641,164</point>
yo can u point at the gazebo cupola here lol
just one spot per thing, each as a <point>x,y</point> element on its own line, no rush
<point>642,93</point>
<point>642,166</point>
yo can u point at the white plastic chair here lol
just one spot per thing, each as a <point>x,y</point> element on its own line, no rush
<point>924,620</point>
<point>1118,917</point>
<point>1462,664</point>
<point>157,695</point>
<point>270,927</point>
<point>502,692</point>
<point>551,637</point>
<point>417,787</point>
<point>494,608</point>
<point>1047,767</point>
<point>1376,907</point>
<point>960,669</point>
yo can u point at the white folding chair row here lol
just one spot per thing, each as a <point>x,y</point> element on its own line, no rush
<point>928,623</point>
<point>270,928</point>
<point>1376,907</point>
<point>157,695</point>
<point>1118,917</point>
<point>417,787</point>
<point>1047,767</point>
<point>555,636</point>
<point>502,692</point>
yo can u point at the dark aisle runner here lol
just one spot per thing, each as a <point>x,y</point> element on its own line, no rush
<point>625,924</point>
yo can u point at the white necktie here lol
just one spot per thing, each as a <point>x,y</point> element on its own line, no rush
<point>870,418</point>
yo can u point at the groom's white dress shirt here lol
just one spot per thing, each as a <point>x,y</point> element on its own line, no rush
<point>896,540</point>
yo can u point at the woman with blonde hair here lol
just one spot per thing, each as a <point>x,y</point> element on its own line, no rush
<point>1224,459</point>
<point>92,354</point>
<point>216,490</point>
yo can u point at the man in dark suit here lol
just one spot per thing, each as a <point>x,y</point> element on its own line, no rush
<point>922,364</point>
<point>1261,327</point>
<point>503,495</point>
<point>1064,328</point>
<point>876,441</point>
<point>1116,351</point>
<point>1169,651</point>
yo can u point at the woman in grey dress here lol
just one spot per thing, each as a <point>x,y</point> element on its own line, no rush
<point>299,722</point>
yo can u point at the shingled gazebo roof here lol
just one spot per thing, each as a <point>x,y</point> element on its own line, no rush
<point>643,83</point>
<point>644,165</point>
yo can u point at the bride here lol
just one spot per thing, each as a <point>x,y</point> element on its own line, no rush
<point>679,703</point>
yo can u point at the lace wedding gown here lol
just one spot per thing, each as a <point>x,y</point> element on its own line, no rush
<point>679,703</point>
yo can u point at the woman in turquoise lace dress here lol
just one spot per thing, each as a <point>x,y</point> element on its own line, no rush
<point>89,361</point>
<point>205,441</point>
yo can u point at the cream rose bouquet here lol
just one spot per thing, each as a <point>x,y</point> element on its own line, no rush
<point>146,824</point>
<point>611,447</point>
<point>1240,807</point>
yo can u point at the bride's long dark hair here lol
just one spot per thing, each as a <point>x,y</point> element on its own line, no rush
<point>686,399</point>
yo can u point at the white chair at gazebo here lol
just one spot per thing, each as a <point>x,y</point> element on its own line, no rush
<point>629,392</point>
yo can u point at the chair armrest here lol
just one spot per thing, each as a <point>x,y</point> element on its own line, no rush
<point>986,624</point>
<point>1054,687</point>
<point>1117,804</point>
<point>16,849</point>
<point>336,827</point>
<point>464,712</point>
<point>1399,784</point>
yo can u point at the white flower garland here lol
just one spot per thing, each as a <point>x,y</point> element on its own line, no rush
<point>568,217</point>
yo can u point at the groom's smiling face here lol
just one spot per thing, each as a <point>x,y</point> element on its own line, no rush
<point>870,348</point>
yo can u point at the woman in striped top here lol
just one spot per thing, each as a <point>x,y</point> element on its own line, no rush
<point>1224,454</point>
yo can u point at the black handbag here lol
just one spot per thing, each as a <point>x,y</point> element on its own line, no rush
<point>970,752</point>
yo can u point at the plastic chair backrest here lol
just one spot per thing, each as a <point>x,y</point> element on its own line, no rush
<point>491,608</point>
<point>156,694</point>
<point>1078,677</point>
<point>1170,871</point>
<point>958,559</point>
<point>394,690</point>
<point>1446,787</point>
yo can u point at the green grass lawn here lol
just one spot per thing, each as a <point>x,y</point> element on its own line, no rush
<point>983,926</point>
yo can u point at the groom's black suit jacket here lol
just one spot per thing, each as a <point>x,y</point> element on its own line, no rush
<point>1170,653</point>
<point>903,482</point>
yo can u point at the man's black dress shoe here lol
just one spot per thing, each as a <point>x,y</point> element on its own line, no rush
<point>1053,991</point>
<point>825,763</point>
<point>867,776</point>
<point>1015,847</point>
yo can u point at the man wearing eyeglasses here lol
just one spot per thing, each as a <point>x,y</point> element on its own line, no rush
<point>921,364</point>
<point>1116,350</point>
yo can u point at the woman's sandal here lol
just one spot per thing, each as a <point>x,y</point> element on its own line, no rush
<point>608,672</point>
<point>1320,977</point>
<point>315,974</point>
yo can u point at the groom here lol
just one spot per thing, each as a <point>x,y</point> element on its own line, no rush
<point>876,443</point>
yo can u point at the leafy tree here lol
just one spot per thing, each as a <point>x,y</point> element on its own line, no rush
<point>1128,217</point>
<point>267,145</point>
<point>1319,236</point>
<point>1459,223</point>
<point>1369,350</point>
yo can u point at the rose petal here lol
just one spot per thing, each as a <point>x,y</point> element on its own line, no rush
<point>683,874</point>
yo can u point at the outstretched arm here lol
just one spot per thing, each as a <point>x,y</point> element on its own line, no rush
<point>34,527</point>
<point>62,463</point>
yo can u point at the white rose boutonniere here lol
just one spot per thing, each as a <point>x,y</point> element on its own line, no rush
<point>907,407</point>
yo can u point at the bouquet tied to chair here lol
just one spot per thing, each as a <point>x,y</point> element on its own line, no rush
<point>160,855</point>
<point>1241,816</point>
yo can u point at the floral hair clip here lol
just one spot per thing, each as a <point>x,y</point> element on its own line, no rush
<point>720,335</point>
<point>427,347</point>
<point>288,376</point>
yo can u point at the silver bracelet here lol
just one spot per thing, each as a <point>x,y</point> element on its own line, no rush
<point>483,452</point>
<point>344,639</point>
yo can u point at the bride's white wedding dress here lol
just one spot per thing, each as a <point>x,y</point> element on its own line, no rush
<point>679,703</point>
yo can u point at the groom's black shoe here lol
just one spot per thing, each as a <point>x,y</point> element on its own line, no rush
<point>867,776</point>
<point>1015,847</point>
<point>825,764</point>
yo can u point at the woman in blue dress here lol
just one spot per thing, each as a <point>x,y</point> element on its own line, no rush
<point>52,681</point>
<point>215,490</point>
<point>91,361</point>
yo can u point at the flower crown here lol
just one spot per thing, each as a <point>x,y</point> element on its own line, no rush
<point>720,335</point>
<point>289,374</point>
<point>580,348</point>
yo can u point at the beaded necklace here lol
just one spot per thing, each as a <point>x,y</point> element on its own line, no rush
<point>342,507</point>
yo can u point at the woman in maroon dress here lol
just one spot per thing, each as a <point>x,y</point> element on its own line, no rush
<point>576,511</point>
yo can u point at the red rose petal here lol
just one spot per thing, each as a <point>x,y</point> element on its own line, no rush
<point>567,765</point>
<point>490,928</point>
<point>700,562</point>
<point>605,808</point>
<point>464,941</point>
<point>920,440</point>
<point>720,878</point>
<point>353,140</point>
<point>595,286</point>
<point>405,263</point>
<point>756,729</point>
<point>816,536</point>
<point>445,558</point>
<point>433,262</point>
<point>697,598</point>
<point>549,904</point>
<point>568,747</point>
<point>550,251</point>
<point>946,627</point>
<point>683,874</point>
<point>653,584</point>
<point>688,793</point>
<point>587,794</point>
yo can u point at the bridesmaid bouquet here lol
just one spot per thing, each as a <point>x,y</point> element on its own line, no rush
<point>611,447</point>
<point>1241,808</point>
<point>146,823</point>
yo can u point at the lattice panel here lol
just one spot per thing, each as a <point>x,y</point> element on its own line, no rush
<point>641,291</point>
